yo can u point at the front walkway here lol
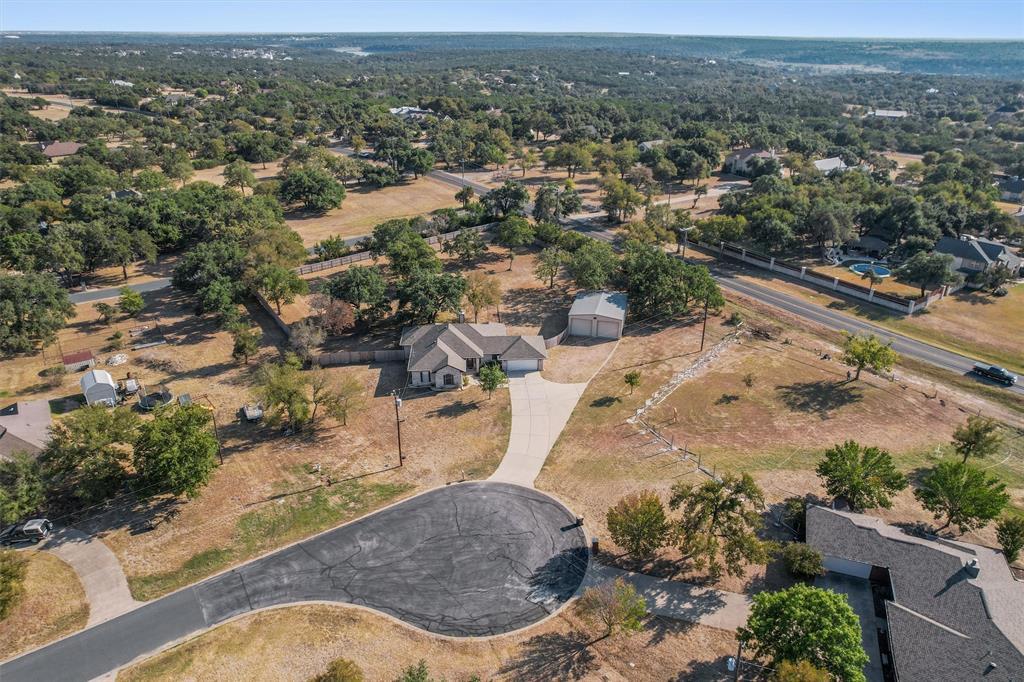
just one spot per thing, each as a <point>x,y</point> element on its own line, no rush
<point>99,571</point>
<point>679,600</point>
<point>540,410</point>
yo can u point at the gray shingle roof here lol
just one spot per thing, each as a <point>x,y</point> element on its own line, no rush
<point>978,249</point>
<point>602,303</point>
<point>435,346</point>
<point>944,625</point>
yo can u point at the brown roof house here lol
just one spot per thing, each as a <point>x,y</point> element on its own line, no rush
<point>57,150</point>
<point>931,609</point>
<point>24,427</point>
<point>439,355</point>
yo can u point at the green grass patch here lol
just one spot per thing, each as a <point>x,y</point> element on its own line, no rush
<point>276,525</point>
<point>153,585</point>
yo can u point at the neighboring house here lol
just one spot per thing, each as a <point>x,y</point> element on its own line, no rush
<point>930,609</point>
<point>58,150</point>
<point>411,113</point>
<point>598,313</point>
<point>99,388</point>
<point>972,255</point>
<point>116,195</point>
<point>830,164</point>
<point>439,355</point>
<point>648,145</point>
<point>79,360</point>
<point>24,427</point>
<point>122,83</point>
<point>869,245</point>
<point>739,162</point>
<point>888,113</point>
<point>1010,189</point>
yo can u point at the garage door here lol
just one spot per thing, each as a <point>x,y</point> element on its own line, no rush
<point>579,327</point>
<point>521,365</point>
<point>607,330</point>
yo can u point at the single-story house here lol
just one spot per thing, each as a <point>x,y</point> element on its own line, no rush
<point>116,195</point>
<point>598,313</point>
<point>99,388</point>
<point>79,360</point>
<point>739,162</point>
<point>648,145</point>
<point>58,150</point>
<point>438,355</point>
<point>24,427</point>
<point>411,113</point>
<point>972,255</point>
<point>1010,189</point>
<point>888,113</point>
<point>869,245</point>
<point>931,609</point>
<point>830,164</point>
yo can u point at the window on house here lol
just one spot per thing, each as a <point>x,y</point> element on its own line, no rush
<point>449,379</point>
<point>470,363</point>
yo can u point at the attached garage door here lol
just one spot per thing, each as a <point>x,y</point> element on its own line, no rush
<point>579,326</point>
<point>607,329</point>
<point>521,365</point>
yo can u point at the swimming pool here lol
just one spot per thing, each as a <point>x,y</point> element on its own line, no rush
<point>880,270</point>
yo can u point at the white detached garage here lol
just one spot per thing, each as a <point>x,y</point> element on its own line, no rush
<point>600,314</point>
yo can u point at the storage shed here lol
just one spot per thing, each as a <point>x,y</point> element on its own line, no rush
<point>598,313</point>
<point>99,388</point>
<point>79,360</point>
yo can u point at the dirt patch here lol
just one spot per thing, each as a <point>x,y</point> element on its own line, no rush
<point>53,605</point>
<point>297,643</point>
<point>576,359</point>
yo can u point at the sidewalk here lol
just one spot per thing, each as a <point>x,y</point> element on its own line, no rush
<point>98,569</point>
<point>679,600</point>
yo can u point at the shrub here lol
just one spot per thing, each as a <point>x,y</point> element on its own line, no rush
<point>341,670</point>
<point>802,560</point>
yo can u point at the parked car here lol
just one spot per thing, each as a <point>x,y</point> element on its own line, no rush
<point>26,532</point>
<point>995,374</point>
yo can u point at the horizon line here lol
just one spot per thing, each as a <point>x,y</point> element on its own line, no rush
<point>7,32</point>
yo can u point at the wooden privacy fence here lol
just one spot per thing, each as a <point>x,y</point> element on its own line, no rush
<point>557,339</point>
<point>359,357</point>
<point>823,280</point>
<point>365,255</point>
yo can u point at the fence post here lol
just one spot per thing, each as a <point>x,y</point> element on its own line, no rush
<point>871,294</point>
<point>771,263</point>
<point>910,307</point>
<point>721,247</point>
<point>803,271</point>
<point>835,283</point>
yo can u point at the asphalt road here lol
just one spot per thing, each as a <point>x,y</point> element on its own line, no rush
<point>466,560</point>
<point>113,292</point>
<point>826,317</point>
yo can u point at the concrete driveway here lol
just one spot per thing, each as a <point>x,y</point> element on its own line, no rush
<point>467,560</point>
<point>540,410</point>
<point>98,570</point>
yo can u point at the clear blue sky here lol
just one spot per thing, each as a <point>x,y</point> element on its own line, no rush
<point>969,19</point>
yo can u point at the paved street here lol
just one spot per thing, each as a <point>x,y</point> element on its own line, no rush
<point>469,559</point>
<point>113,292</point>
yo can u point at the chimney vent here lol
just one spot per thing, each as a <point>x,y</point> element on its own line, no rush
<point>462,316</point>
<point>972,568</point>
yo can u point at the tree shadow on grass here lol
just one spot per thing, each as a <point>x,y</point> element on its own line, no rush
<point>605,401</point>
<point>455,409</point>
<point>552,656</point>
<point>709,670</point>
<point>820,397</point>
<point>727,399</point>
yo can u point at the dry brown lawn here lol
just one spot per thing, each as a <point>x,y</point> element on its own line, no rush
<point>52,606</point>
<point>51,113</point>
<point>796,406</point>
<point>365,207</point>
<point>299,642</point>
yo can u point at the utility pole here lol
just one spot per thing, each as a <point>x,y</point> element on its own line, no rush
<point>216,431</point>
<point>398,425</point>
<point>704,328</point>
